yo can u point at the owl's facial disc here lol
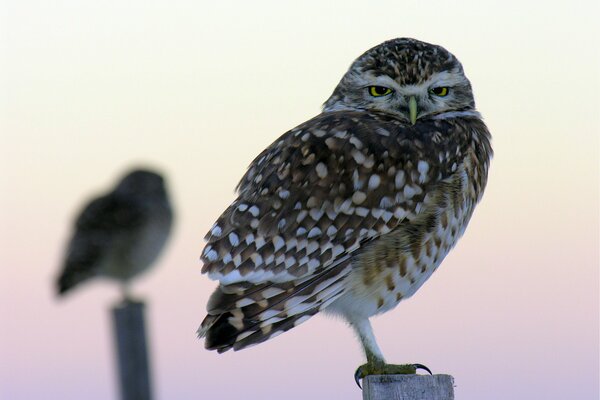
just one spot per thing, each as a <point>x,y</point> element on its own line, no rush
<point>438,94</point>
<point>408,78</point>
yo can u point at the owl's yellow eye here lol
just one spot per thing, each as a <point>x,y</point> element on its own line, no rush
<point>378,91</point>
<point>439,91</point>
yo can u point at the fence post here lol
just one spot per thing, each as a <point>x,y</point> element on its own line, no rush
<point>408,387</point>
<point>132,356</point>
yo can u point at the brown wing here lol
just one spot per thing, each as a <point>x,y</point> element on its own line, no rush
<point>306,205</point>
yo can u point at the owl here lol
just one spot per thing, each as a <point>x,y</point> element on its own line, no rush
<point>352,211</point>
<point>120,234</point>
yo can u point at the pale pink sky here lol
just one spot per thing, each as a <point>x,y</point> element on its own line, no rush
<point>88,89</point>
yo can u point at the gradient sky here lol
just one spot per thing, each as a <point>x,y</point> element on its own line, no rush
<point>197,89</point>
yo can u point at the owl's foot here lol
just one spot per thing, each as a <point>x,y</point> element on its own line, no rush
<point>386,369</point>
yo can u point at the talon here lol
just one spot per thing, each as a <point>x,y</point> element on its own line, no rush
<point>421,366</point>
<point>358,376</point>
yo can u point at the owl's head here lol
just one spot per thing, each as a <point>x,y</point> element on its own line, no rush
<point>141,183</point>
<point>405,77</point>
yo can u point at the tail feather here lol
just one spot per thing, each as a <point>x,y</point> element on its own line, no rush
<point>69,279</point>
<point>276,326</point>
<point>237,319</point>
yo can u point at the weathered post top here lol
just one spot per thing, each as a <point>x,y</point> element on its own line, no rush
<point>408,387</point>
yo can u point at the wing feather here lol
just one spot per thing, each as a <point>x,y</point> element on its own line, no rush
<point>324,188</point>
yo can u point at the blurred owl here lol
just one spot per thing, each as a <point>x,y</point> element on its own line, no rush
<point>353,210</point>
<point>119,235</point>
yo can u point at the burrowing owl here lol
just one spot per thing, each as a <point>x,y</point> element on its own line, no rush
<point>353,210</point>
<point>120,234</point>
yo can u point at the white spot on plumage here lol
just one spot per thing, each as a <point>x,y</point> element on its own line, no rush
<point>340,134</point>
<point>299,309</point>
<point>382,132</point>
<point>312,247</point>
<point>237,260</point>
<point>249,238</point>
<point>358,156</point>
<point>294,301</point>
<point>321,170</point>
<point>356,142</point>
<point>302,243</point>
<point>331,230</point>
<point>234,239</point>
<point>423,168</point>
<point>300,231</point>
<point>356,181</point>
<point>386,216</point>
<point>324,284</point>
<point>256,259</point>
<point>244,302</point>
<point>236,322</point>
<point>400,213</point>
<point>244,335</point>
<point>314,232</point>
<point>259,242</point>
<point>212,255</point>
<point>278,242</point>
<point>316,213</point>
<point>313,263</point>
<point>301,215</point>
<point>254,211</point>
<point>216,230</point>
<point>284,194</point>
<point>358,197</point>
<point>374,182</point>
<point>400,179</point>
<point>290,261</point>
<point>337,250</point>
<point>269,317</point>
<point>303,260</point>
<point>386,202</point>
<point>271,292</point>
<point>302,319</point>
<point>280,259</point>
<point>361,211</point>
<point>410,191</point>
<point>242,207</point>
<point>291,243</point>
<point>275,334</point>
<point>376,212</point>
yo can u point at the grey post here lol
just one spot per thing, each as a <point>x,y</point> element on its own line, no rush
<point>132,356</point>
<point>408,387</point>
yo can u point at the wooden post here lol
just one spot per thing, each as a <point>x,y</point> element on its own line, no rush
<point>408,387</point>
<point>132,356</point>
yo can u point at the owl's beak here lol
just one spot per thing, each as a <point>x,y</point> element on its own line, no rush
<point>412,109</point>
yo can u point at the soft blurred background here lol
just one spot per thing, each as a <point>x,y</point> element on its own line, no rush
<point>197,89</point>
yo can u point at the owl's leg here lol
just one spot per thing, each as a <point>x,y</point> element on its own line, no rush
<point>376,364</point>
<point>364,330</point>
<point>126,292</point>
